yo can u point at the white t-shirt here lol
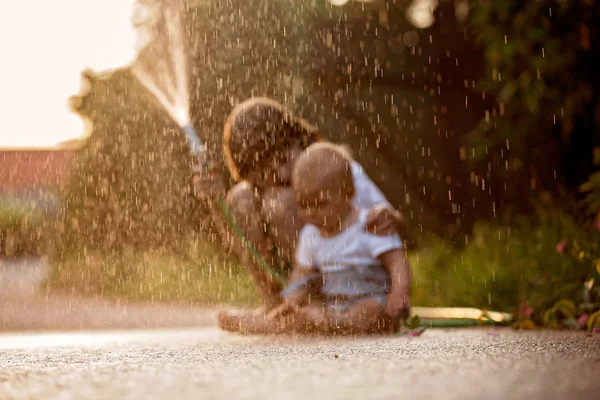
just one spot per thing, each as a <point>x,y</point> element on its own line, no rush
<point>367,194</point>
<point>348,261</point>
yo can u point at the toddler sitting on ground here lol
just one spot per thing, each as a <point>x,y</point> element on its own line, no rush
<point>344,279</point>
<point>356,271</point>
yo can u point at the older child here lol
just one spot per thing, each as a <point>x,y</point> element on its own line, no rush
<point>261,142</point>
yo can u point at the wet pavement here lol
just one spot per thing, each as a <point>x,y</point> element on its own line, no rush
<point>207,363</point>
<point>59,347</point>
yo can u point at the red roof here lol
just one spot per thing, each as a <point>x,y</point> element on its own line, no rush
<point>22,170</point>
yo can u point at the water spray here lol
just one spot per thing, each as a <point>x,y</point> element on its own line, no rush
<point>162,67</point>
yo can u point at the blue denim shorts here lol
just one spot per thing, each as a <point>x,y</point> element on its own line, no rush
<point>337,304</point>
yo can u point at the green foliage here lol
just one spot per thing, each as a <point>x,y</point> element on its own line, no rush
<point>593,323</point>
<point>528,47</point>
<point>591,188</point>
<point>23,231</point>
<point>14,216</point>
<point>502,267</point>
<point>563,313</point>
<point>413,322</point>
<point>542,69</point>
<point>192,272</point>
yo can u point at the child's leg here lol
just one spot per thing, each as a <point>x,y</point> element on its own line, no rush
<point>247,323</point>
<point>305,321</point>
<point>246,209</point>
<point>364,316</point>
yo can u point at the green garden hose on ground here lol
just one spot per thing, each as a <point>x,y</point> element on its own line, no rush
<point>455,323</point>
<point>459,316</point>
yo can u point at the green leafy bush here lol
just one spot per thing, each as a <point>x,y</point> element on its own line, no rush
<point>193,272</point>
<point>541,69</point>
<point>22,230</point>
<point>591,202</point>
<point>526,267</point>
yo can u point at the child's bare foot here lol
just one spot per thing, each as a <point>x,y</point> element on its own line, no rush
<point>250,323</point>
<point>227,318</point>
<point>239,321</point>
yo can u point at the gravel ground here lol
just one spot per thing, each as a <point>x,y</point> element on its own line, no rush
<point>207,363</point>
<point>102,353</point>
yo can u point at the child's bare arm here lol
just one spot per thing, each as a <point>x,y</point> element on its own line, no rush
<point>398,302</point>
<point>382,220</point>
<point>303,283</point>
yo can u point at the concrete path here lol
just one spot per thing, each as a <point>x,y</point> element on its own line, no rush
<point>209,364</point>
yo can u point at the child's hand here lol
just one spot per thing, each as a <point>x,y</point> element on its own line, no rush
<point>208,185</point>
<point>398,304</point>
<point>384,221</point>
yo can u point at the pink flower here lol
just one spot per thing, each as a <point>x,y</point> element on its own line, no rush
<point>525,311</point>
<point>560,247</point>
<point>416,332</point>
<point>582,321</point>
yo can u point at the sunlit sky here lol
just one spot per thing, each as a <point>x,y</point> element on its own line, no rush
<point>44,46</point>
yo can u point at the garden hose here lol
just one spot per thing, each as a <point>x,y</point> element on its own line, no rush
<point>454,323</point>
<point>458,317</point>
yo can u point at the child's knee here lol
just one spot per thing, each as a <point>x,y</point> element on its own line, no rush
<point>242,200</point>
<point>279,204</point>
